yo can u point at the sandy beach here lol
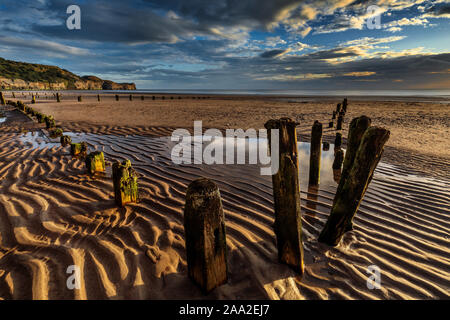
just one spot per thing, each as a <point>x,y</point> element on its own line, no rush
<point>53,214</point>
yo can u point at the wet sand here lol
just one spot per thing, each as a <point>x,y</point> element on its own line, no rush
<point>53,214</point>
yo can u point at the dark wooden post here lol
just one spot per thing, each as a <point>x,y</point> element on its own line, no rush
<point>33,99</point>
<point>330,124</point>
<point>339,122</point>
<point>79,149</point>
<point>131,97</point>
<point>338,108</point>
<point>344,105</point>
<point>80,99</point>
<point>98,98</point>
<point>348,199</point>
<point>338,141</point>
<point>125,183</point>
<point>95,162</point>
<point>204,227</point>
<point>286,193</point>
<point>58,97</point>
<point>153,97</point>
<point>65,141</point>
<point>117,97</point>
<point>334,115</point>
<point>355,133</point>
<point>49,122</point>
<point>2,99</point>
<point>338,158</point>
<point>315,154</point>
<point>142,98</point>
<point>326,146</point>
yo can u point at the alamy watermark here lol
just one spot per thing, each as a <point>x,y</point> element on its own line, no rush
<point>374,279</point>
<point>374,19</point>
<point>73,281</point>
<point>237,147</point>
<point>73,22</point>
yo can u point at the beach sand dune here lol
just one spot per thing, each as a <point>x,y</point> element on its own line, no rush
<point>54,215</point>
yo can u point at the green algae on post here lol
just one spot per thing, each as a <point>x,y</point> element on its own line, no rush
<point>125,183</point>
<point>79,149</point>
<point>65,141</point>
<point>95,162</point>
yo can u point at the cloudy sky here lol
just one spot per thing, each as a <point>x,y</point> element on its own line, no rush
<point>238,44</point>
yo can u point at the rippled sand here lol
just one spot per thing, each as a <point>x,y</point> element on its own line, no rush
<point>52,215</point>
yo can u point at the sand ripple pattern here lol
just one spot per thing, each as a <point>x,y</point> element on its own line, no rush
<point>53,215</point>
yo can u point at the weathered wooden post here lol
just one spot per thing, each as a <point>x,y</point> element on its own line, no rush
<point>142,98</point>
<point>56,133</point>
<point>315,154</point>
<point>355,133</point>
<point>344,105</point>
<point>348,199</point>
<point>58,97</point>
<point>65,141</point>
<point>98,98</point>
<point>80,99</point>
<point>49,122</point>
<point>338,141</point>
<point>33,99</point>
<point>117,97</point>
<point>338,108</point>
<point>131,97</point>
<point>286,193</point>
<point>204,227</point>
<point>79,149</point>
<point>330,124</point>
<point>2,99</point>
<point>334,115</point>
<point>339,122</point>
<point>95,162</point>
<point>153,97</point>
<point>125,183</point>
<point>338,158</point>
<point>326,146</point>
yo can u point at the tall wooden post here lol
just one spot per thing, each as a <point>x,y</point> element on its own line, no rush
<point>58,97</point>
<point>347,201</point>
<point>117,97</point>
<point>98,98</point>
<point>344,105</point>
<point>286,193</point>
<point>315,154</point>
<point>2,99</point>
<point>125,183</point>
<point>334,115</point>
<point>204,227</point>
<point>339,122</point>
<point>131,97</point>
<point>338,159</point>
<point>338,108</point>
<point>355,133</point>
<point>338,141</point>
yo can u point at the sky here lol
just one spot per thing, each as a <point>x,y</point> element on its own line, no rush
<point>238,44</point>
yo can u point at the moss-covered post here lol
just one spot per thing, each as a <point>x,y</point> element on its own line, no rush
<point>338,159</point>
<point>2,99</point>
<point>286,193</point>
<point>348,199</point>
<point>204,228</point>
<point>338,141</point>
<point>79,149</point>
<point>315,154</point>
<point>33,99</point>
<point>339,122</point>
<point>49,122</point>
<point>95,162</point>
<point>125,183</point>
<point>65,141</point>
<point>58,97</point>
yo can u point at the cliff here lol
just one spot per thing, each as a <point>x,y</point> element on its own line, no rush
<point>28,76</point>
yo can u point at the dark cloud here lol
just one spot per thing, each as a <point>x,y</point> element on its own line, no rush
<point>273,53</point>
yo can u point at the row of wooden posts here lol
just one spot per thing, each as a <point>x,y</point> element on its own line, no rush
<point>58,97</point>
<point>204,221</point>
